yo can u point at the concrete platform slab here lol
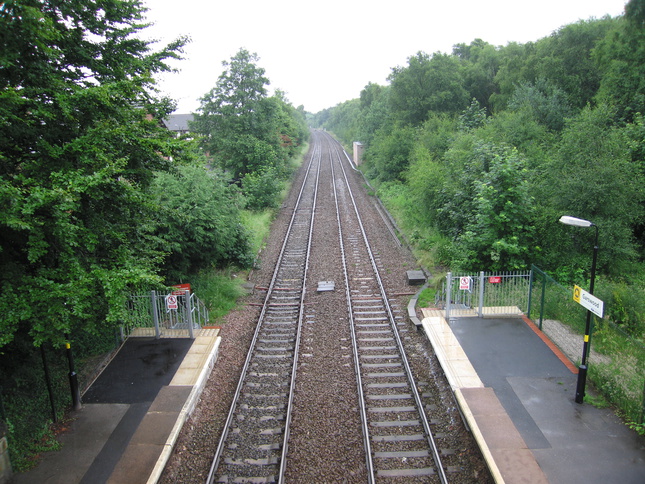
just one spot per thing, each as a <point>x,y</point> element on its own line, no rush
<point>128,437</point>
<point>170,399</point>
<point>135,467</point>
<point>92,426</point>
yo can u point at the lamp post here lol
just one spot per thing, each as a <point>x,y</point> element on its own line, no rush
<point>582,369</point>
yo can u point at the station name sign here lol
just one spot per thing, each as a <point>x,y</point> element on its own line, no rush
<point>588,301</point>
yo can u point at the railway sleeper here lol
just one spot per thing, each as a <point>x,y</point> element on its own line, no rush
<point>248,480</point>
<point>421,472</point>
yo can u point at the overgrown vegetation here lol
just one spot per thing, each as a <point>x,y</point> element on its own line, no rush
<point>501,141</point>
<point>100,201</point>
<point>478,153</point>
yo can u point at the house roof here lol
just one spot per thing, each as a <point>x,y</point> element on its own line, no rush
<point>178,122</point>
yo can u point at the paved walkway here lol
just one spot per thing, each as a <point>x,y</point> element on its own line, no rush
<point>132,414</point>
<point>516,391</point>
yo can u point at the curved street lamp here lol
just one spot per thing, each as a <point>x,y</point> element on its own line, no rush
<point>582,369</point>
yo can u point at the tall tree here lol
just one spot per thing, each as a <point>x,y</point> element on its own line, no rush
<point>78,148</point>
<point>237,119</point>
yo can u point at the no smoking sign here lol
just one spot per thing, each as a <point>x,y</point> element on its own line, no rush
<point>171,302</point>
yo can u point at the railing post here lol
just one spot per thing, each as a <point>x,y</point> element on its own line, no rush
<point>528,309</point>
<point>155,313</point>
<point>480,310</point>
<point>189,315</point>
<point>542,300</point>
<point>448,294</point>
<point>642,418</point>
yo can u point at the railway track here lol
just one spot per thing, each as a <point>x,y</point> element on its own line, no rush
<point>399,441</point>
<point>253,443</point>
<point>397,436</point>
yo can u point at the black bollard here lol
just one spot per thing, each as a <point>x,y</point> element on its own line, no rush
<point>580,387</point>
<point>73,378</point>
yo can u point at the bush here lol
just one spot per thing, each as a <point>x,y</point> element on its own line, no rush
<point>262,189</point>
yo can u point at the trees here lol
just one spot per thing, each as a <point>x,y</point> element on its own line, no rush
<point>591,175</point>
<point>556,127</point>
<point>565,58</point>
<point>199,222</point>
<point>248,133</point>
<point>427,84</point>
<point>78,148</point>
<point>480,61</point>
<point>542,101</point>
<point>620,59</point>
<point>500,233</point>
<point>233,117</point>
<point>241,124</point>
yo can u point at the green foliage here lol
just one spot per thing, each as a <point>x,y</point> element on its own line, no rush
<point>426,298</point>
<point>480,63</point>
<point>547,104</point>
<point>390,152</point>
<point>261,189</point>
<point>427,84</point>
<point>499,234</point>
<point>245,130</point>
<point>598,401</point>
<point>78,152</point>
<point>566,59</point>
<point>619,56</point>
<point>474,116</point>
<point>219,290</point>
<point>592,176</point>
<point>625,303</point>
<point>199,222</point>
<point>635,12</point>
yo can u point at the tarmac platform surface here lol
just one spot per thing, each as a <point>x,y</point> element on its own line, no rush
<point>132,413</point>
<point>516,391</point>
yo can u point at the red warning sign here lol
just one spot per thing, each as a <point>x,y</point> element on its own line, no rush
<point>465,283</point>
<point>171,301</point>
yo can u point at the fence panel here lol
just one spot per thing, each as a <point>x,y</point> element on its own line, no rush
<point>152,315</point>
<point>485,294</point>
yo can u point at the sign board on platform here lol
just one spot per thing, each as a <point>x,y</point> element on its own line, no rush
<point>171,302</point>
<point>465,283</point>
<point>588,301</point>
<point>180,289</point>
<point>494,279</point>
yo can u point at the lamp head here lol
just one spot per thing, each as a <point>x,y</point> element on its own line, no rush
<point>577,222</point>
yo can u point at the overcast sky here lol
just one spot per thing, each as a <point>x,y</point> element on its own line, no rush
<point>322,54</point>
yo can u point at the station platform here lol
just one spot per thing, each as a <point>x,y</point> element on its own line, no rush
<point>516,393</point>
<point>132,413</point>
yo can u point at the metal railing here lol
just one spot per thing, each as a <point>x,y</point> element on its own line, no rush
<point>177,314</point>
<point>485,294</point>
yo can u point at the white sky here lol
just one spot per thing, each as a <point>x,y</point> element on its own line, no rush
<point>322,54</point>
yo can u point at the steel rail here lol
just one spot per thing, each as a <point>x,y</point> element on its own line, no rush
<point>285,443</point>
<point>315,158</point>
<point>361,397</point>
<point>408,371</point>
